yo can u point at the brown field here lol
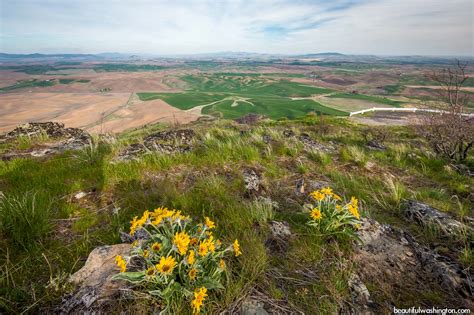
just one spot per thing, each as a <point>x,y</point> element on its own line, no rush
<point>113,111</point>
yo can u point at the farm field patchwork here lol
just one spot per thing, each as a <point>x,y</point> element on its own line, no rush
<point>231,96</point>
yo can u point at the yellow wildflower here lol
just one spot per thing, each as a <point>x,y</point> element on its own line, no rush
<point>181,240</point>
<point>218,243</point>
<point>209,223</point>
<point>191,258</point>
<point>135,243</point>
<point>133,225</point>
<point>338,207</point>
<point>327,191</point>
<point>337,197</point>
<point>222,264</point>
<point>121,263</point>
<point>192,273</point>
<point>236,246</point>
<point>318,196</point>
<point>199,297</point>
<point>156,247</point>
<point>354,210</point>
<point>150,271</point>
<point>316,214</point>
<point>146,253</point>
<point>203,248</point>
<point>354,201</point>
<point>166,265</point>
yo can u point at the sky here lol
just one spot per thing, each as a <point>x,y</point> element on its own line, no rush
<point>379,27</point>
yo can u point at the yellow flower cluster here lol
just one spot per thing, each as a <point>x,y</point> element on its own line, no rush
<point>182,240</point>
<point>199,297</point>
<point>156,217</point>
<point>354,208</point>
<point>330,215</point>
<point>121,263</point>
<point>176,250</point>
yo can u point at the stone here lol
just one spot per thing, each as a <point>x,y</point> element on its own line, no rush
<point>266,139</point>
<point>252,307</point>
<point>80,195</point>
<point>94,280</point>
<point>425,215</point>
<point>382,254</point>
<point>311,145</point>
<point>166,142</point>
<point>360,295</point>
<point>280,235</point>
<point>250,119</point>
<point>376,145</point>
<point>59,139</point>
<point>252,182</point>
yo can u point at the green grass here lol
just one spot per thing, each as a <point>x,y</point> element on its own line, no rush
<point>208,182</point>
<point>28,84</point>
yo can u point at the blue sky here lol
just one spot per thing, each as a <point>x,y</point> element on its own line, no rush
<point>384,27</point>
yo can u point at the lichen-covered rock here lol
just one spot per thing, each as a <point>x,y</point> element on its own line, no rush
<point>312,145</point>
<point>94,280</point>
<point>59,139</point>
<point>250,119</point>
<point>280,235</point>
<point>167,142</point>
<point>360,295</point>
<point>425,215</point>
<point>252,182</point>
<point>394,256</point>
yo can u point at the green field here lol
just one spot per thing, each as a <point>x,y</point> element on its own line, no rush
<point>28,84</point>
<point>231,95</point>
<point>125,67</point>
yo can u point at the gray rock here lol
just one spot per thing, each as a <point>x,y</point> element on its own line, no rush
<point>94,280</point>
<point>60,139</point>
<point>252,307</point>
<point>425,215</point>
<point>311,145</point>
<point>390,254</point>
<point>360,295</point>
<point>252,182</point>
<point>80,195</point>
<point>166,142</point>
<point>280,235</point>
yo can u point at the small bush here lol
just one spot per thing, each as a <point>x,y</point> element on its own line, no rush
<point>24,218</point>
<point>180,260</point>
<point>331,217</point>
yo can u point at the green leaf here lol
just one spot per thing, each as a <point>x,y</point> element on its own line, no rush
<point>210,283</point>
<point>134,277</point>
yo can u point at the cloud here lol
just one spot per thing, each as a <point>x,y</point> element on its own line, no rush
<point>434,27</point>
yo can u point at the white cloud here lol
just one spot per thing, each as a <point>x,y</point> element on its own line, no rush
<point>434,27</point>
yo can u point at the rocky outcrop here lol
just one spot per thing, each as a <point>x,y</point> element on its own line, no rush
<point>250,119</point>
<point>280,235</point>
<point>252,182</point>
<point>94,280</point>
<point>427,216</point>
<point>58,139</point>
<point>311,145</point>
<point>167,142</point>
<point>394,257</point>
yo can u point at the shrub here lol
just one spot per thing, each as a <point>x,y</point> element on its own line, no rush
<point>331,217</point>
<point>179,260</point>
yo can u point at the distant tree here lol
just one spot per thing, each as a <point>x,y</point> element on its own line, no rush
<point>449,132</point>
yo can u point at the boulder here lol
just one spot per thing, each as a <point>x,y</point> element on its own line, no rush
<point>59,139</point>
<point>360,295</point>
<point>311,145</point>
<point>425,215</point>
<point>94,280</point>
<point>166,142</point>
<point>390,256</point>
